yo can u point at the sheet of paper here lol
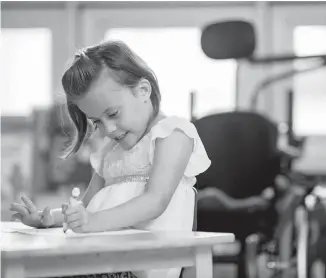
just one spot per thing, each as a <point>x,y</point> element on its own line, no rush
<point>59,232</point>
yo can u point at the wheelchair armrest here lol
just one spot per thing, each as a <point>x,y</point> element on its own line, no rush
<point>217,199</point>
<point>214,198</point>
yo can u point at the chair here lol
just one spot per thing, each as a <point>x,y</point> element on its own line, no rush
<point>298,243</point>
<point>245,160</point>
<point>194,225</point>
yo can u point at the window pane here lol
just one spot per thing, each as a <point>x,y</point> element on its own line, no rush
<point>176,57</point>
<point>25,70</point>
<point>309,88</point>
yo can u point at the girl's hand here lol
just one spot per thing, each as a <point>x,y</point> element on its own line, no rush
<point>77,218</point>
<point>28,214</point>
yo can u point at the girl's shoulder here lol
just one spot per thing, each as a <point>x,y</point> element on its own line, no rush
<point>168,124</point>
<point>199,160</point>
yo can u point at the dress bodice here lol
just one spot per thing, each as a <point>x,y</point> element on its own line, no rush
<point>115,164</point>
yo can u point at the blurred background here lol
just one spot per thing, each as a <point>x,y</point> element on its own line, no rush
<point>38,38</point>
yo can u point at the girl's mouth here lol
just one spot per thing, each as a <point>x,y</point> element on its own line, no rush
<point>121,137</point>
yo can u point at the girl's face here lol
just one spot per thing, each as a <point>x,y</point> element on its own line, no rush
<point>119,112</point>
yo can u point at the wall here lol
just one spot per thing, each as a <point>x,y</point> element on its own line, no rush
<point>22,15</point>
<point>78,24</point>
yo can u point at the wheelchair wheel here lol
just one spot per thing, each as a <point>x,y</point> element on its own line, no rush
<point>302,242</point>
<point>310,242</point>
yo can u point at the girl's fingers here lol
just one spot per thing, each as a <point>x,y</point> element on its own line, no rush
<point>72,217</point>
<point>64,207</point>
<point>47,217</point>
<point>75,224</point>
<point>32,208</point>
<point>16,216</point>
<point>72,210</point>
<point>19,208</point>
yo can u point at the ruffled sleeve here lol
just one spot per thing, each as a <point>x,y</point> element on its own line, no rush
<point>199,161</point>
<point>97,157</point>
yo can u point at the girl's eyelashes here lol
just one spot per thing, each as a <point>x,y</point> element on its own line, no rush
<point>113,115</point>
<point>95,122</point>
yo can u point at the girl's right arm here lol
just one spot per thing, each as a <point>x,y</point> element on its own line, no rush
<point>95,185</point>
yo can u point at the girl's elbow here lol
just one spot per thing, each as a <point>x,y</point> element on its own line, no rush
<point>161,204</point>
<point>158,203</point>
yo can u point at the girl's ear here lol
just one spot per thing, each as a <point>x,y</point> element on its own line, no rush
<point>144,89</point>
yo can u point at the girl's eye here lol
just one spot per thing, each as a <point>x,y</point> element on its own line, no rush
<point>96,122</point>
<point>114,114</point>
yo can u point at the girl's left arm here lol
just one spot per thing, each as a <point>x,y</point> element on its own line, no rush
<point>171,157</point>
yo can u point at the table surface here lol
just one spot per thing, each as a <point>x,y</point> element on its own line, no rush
<point>19,245</point>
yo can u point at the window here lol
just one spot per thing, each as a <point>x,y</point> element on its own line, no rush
<point>310,88</point>
<point>176,57</point>
<point>25,71</point>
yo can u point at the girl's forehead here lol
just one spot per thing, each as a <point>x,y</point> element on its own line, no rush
<point>101,97</point>
<point>104,82</point>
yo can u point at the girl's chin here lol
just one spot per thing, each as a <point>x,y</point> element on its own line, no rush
<point>126,143</point>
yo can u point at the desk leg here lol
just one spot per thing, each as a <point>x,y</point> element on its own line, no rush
<point>204,262</point>
<point>9,270</point>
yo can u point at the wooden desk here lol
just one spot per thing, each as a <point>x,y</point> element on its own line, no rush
<point>43,256</point>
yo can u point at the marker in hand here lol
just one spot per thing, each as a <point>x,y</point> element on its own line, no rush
<point>73,202</point>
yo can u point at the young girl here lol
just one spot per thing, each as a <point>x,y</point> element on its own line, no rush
<point>146,166</point>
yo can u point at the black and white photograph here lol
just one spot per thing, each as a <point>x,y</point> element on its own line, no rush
<point>163,139</point>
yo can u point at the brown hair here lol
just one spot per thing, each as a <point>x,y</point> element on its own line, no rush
<point>127,67</point>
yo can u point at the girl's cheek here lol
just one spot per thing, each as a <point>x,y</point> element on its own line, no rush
<point>102,131</point>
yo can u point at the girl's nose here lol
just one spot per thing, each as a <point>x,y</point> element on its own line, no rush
<point>109,126</point>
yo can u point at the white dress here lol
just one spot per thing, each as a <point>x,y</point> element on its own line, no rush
<point>126,173</point>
